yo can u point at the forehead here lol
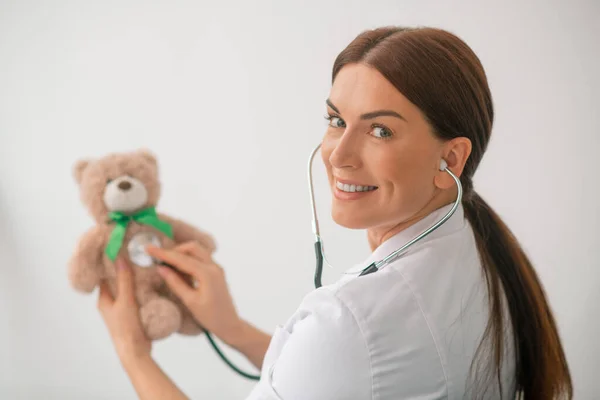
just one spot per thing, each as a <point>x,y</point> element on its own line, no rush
<point>359,88</point>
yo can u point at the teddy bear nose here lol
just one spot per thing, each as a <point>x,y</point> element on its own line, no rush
<point>125,185</point>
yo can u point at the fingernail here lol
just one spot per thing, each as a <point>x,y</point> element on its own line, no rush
<point>163,271</point>
<point>121,264</point>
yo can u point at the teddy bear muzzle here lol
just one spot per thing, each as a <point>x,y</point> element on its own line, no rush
<point>125,194</point>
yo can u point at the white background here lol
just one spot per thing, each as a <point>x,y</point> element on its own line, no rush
<point>231,97</point>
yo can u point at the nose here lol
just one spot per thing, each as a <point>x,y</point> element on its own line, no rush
<point>125,185</point>
<point>344,152</point>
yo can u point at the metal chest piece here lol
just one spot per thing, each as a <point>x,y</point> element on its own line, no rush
<point>137,248</point>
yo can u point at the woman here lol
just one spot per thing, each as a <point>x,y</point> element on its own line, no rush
<point>461,315</point>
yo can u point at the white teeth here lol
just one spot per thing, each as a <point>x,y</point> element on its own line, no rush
<point>353,188</point>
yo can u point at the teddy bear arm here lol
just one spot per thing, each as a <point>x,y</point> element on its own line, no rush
<point>184,232</point>
<point>85,266</point>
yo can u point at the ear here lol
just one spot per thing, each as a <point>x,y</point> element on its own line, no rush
<point>148,156</point>
<point>456,153</point>
<point>78,169</point>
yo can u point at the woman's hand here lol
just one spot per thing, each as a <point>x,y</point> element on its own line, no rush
<point>209,299</point>
<point>121,316</point>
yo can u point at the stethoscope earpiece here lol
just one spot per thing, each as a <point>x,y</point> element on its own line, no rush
<point>443,165</point>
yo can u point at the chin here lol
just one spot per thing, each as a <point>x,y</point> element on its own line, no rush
<point>349,220</point>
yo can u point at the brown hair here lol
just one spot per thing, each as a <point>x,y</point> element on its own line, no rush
<point>443,77</point>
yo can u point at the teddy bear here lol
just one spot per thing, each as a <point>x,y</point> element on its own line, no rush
<point>121,193</point>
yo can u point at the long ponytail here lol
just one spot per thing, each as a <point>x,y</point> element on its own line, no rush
<point>541,367</point>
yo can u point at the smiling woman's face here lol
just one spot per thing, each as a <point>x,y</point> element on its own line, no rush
<point>381,156</point>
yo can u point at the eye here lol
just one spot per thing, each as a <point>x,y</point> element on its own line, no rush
<point>335,121</point>
<point>381,132</point>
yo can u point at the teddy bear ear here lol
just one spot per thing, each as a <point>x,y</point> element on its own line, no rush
<point>148,156</point>
<point>78,169</point>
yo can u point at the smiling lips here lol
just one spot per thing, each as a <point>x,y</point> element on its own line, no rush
<point>346,190</point>
<point>351,188</point>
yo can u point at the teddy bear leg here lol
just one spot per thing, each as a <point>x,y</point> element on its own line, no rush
<point>189,326</point>
<point>160,318</point>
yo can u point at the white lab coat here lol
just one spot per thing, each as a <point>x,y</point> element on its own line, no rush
<point>408,331</point>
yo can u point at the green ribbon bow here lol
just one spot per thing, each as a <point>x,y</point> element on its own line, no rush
<point>146,216</point>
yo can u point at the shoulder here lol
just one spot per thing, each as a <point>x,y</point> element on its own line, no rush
<point>400,333</point>
<point>377,336</point>
<point>414,312</point>
<point>341,345</point>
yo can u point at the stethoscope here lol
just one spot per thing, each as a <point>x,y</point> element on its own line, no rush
<point>371,268</point>
<point>376,265</point>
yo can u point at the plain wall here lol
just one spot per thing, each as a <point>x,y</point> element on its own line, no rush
<point>230,97</point>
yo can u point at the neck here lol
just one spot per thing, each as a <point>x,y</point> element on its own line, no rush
<point>379,234</point>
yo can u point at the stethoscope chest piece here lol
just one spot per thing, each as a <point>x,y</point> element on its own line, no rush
<point>137,249</point>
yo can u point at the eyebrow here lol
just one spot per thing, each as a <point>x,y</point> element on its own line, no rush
<point>330,104</point>
<point>370,115</point>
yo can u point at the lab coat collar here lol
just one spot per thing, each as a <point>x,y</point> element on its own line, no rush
<point>454,223</point>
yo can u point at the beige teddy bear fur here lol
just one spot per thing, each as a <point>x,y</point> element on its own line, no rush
<point>128,182</point>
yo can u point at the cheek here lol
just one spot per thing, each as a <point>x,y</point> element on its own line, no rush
<point>406,176</point>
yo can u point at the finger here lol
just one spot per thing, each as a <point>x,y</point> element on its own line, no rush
<point>181,261</point>
<point>200,252</point>
<point>194,249</point>
<point>177,284</point>
<point>105,299</point>
<point>125,285</point>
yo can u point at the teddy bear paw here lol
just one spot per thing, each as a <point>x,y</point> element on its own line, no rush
<point>189,326</point>
<point>84,283</point>
<point>160,318</point>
